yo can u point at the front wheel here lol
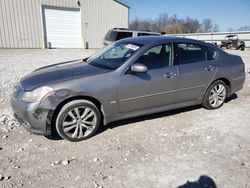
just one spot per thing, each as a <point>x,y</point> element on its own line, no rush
<point>215,95</point>
<point>229,47</point>
<point>78,120</point>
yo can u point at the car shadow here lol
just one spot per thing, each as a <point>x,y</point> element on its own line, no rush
<point>146,117</point>
<point>203,182</point>
<point>156,115</point>
<point>55,137</point>
<point>231,98</point>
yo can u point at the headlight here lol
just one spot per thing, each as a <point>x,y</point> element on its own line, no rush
<point>37,95</point>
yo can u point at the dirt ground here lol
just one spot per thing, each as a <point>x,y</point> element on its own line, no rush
<point>161,150</point>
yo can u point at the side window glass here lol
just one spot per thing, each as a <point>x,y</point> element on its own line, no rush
<point>157,57</point>
<point>211,54</point>
<point>191,53</point>
<point>154,50</point>
<point>122,35</point>
<point>143,34</point>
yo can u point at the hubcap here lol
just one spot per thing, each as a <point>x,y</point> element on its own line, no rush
<point>79,122</point>
<point>217,95</point>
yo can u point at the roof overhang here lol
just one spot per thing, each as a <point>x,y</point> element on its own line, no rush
<point>122,4</point>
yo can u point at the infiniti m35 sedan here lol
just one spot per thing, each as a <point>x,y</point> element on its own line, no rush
<point>132,77</point>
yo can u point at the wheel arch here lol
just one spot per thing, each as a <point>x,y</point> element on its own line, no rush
<point>55,113</point>
<point>226,81</point>
<point>228,90</point>
<point>228,84</point>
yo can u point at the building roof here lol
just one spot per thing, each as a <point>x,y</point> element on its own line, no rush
<point>122,3</point>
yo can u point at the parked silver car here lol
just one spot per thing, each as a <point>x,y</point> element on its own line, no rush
<point>132,77</point>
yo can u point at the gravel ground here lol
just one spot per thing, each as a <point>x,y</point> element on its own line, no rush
<point>161,150</point>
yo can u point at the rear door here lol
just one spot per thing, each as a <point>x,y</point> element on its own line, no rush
<point>195,71</point>
<point>154,88</point>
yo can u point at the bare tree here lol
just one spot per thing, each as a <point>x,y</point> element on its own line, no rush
<point>161,22</point>
<point>139,24</point>
<point>207,25</point>
<point>135,24</point>
<point>174,28</point>
<point>216,28</point>
<point>244,28</point>
<point>191,25</point>
<point>172,24</point>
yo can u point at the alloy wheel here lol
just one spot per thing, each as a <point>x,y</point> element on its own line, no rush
<point>79,122</point>
<point>217,95</point>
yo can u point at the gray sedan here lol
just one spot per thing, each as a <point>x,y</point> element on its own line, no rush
<point>132,77</point>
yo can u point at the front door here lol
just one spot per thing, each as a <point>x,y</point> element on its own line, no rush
<point>154,88</point>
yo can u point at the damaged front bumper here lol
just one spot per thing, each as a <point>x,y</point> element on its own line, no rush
<point>32,116</point>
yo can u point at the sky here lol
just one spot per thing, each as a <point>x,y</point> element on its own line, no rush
<point>226,13</point>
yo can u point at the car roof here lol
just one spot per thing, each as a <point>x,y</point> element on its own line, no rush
<point>148,40</point>
<point>133,30</point>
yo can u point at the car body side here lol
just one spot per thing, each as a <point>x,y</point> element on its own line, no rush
<point>103,89</point>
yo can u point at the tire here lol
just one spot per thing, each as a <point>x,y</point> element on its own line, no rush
<point>229,47</point>
<point>242,47</point>
<point>215,95</point>
<point>78,120</point>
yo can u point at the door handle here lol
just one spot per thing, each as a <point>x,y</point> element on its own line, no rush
<point>209,68</point>
<point>169,75</point>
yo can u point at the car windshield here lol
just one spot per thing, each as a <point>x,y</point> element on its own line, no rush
<point>114,56</point>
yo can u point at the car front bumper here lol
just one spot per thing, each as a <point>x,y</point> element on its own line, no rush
<point>32,116</point>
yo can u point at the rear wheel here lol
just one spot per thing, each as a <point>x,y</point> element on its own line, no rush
<point>242,47</point>
<point>215,95</point>
<point>78,120</point>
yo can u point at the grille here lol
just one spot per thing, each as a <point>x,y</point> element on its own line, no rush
<point>18,90</point>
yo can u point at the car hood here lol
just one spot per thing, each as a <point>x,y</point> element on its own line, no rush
<point>59,72</point>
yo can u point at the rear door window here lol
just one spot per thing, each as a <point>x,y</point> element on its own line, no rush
<point>191,53</point>
<point>211,54</point>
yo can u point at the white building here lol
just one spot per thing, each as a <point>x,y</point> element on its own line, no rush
<point>59,23</point>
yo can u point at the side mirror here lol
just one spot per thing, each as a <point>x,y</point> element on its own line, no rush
<point>138,68</point>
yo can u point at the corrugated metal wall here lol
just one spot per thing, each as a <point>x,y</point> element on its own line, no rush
<point>100,16</point>
<point>21,21</point>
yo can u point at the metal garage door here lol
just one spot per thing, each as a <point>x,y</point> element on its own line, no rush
<point>62,28</point>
